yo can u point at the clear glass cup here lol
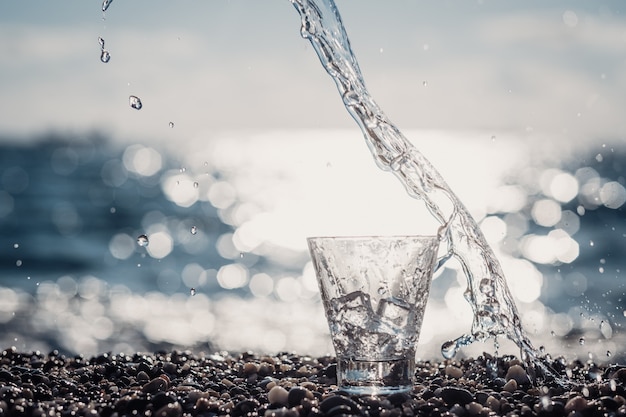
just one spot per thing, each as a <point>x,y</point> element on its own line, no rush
<point>374,290</point>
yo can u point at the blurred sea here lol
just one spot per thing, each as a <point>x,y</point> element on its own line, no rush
<point>226,266</point>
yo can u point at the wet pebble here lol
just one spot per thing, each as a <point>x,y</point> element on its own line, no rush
<point>455,395</point>
<point>176,384</point>
<point>518,373</point>
<point>453,371</point>
<point>155,385</point>
<point>278,395</point>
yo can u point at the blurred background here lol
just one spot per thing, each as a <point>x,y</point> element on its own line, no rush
<point>242,149</point>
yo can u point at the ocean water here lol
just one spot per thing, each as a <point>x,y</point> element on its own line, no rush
<point>226,218</point>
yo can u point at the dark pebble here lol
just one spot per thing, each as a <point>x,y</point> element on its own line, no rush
<point>454,395</point>
<point>156,385</point>
<point>176,384</point>
<point>245,407</point>
<point>296,395</point>
<point>337,400</point>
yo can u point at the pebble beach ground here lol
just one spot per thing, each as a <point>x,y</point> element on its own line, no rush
<point>181,383</point>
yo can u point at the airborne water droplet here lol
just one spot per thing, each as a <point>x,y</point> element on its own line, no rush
<point>16,245</point>
<point>381,290</point>
<point>192,292</point>
<point>581,341</point>
<point>195,184</point>
<point>105,57</point>
<point>142,240</point>
<point>449,349</point>
<point>241,255</point>
<point>171,124</point>
<point>135,102</point>
<point>608,354</point>
<point>101,42</point>
<point>194,230</point>
<point>106,4</point>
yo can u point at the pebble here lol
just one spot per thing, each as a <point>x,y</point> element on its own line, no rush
<point>155,385</point>
<point>518,373</point>
<point>510,386</point>
<point>453,371</point>
<point>278,395</point>
<point>454,395</point>
<point>39,385</point>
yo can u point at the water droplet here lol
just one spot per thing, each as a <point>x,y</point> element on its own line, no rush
<point>381,50</point>
<point>542,349</point>
<point>183,169</point>
<point>552,333</point>
<point>241,255</point>
<point>195,184</point>
<point>591,243</point>
<point>105,57</point>
<point>138,265</point>
<point>194,230</point>
<point>101,42</point>
<point>581,341</point>
<point>449,349</point>
<point>16,245</point>
<point>112,210</point>
<point>106,4</point>
<point>601,270</point>
<point>171,125</point>
<point>585,392</point>
<point>425,83</point>
<point>18,262</point>
<point>142,240</point>
<point>493,138</point>
<point>381,290</point>
<point>608,354</point>
<point>135,102</point>
<point>192,292</point>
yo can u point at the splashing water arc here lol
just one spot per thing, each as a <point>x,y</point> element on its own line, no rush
<point>495,312</point>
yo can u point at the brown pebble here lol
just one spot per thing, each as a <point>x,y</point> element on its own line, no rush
<point>510,386</point>
<point>169,410</point>
<point>250,368</point>
<point>156,385</point>
<point>202,404</point>
<point>493,403</point>
<point>278,395</point>
<point>519,374</point>
<point>453,371</point>
<point>575,404</point>
<point>474,408</point>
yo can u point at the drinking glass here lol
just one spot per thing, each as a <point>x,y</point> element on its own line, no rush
<point>374,291</point>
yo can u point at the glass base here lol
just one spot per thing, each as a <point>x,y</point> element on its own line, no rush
<point>361,377</point>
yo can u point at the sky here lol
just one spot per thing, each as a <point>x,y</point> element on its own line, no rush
<point>534,68</point>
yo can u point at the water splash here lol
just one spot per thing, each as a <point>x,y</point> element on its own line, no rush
<point>105,56</point>
<point>106,4</point>
<point>135,102</point>
<point>142,240</point>
<point>495,312</point>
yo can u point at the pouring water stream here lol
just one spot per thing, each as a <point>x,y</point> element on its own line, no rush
<point>495,312</point>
